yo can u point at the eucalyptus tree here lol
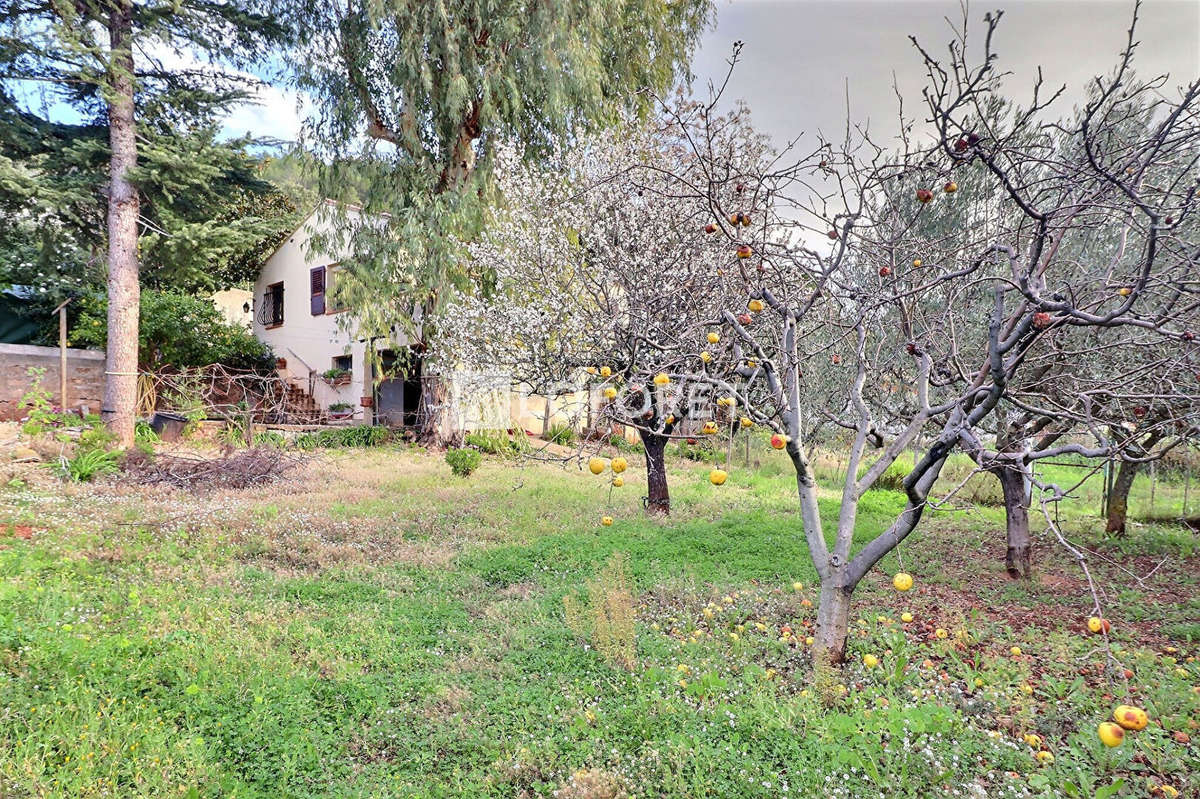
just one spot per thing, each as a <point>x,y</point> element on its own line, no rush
<point>115,63</point>
<point>413,97</point>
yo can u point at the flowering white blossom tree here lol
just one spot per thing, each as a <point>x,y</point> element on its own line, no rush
<point>599,258</point>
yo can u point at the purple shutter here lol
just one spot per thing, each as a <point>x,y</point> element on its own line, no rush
<point>317,282</point>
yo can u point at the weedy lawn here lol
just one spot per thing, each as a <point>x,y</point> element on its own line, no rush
<point>374,627</point>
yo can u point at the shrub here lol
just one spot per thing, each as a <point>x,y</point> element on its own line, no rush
<point>520,442</point>
<point>178,329</point>
<point>233,432</point>
<point>86,465</point>
<point>270,438</point>
<point>95,438</point>
<point>622,444</point>
<point>561,433</point>
<point>606,619</point>
<point>143,433</point>
<point>463,461</point>
<point>498,442</point>
<point>38,400</point>
<point>701,451</point>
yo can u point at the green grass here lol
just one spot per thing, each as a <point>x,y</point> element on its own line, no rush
<point>377,628</point>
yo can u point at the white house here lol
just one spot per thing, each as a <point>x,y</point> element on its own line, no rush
<point>320,354</point>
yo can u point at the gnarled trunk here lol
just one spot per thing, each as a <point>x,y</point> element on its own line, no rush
<point>833,621</point>
<point>1118,499</point>
<point>1017,559</point>
<point>658,497</point>
<point>124,292</point>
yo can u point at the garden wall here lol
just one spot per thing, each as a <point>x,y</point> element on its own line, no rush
<point>85,377</point>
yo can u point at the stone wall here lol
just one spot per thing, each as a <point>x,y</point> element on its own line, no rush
<point>85,377</point>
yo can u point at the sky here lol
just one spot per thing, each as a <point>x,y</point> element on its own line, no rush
<point>802,58</point>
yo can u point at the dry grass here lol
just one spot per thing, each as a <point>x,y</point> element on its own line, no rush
<point>607,619</point>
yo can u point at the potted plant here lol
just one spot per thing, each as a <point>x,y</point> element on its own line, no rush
<point>340,410</point>
<point>336,377</point>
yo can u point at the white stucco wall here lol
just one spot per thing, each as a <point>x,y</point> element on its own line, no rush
<point>308,342</point>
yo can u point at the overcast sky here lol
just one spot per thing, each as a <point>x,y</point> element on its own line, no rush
<point>801,56</point>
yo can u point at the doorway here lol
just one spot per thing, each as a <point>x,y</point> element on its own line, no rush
<point>398,395</point>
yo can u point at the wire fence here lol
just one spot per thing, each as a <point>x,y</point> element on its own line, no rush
<point>218,392</point>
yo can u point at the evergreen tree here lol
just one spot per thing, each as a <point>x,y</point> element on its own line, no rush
<point>108,61</point>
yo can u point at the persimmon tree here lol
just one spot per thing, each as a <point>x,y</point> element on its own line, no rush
<point>599,256</point>
<point>904,342</point>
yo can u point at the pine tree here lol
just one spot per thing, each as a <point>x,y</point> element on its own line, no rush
<point>107,60</point>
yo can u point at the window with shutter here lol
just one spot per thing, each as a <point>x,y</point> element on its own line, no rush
<point>317,293</point>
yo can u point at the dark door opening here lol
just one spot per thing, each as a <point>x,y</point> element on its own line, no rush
<point>398,395</point>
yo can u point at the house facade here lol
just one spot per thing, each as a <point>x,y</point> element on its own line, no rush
<point>316,351</point>
<point>319,353</point>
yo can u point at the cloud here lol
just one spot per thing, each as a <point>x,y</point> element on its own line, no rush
<point>272,112</point>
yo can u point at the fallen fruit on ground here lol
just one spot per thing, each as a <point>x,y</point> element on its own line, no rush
<point>755,305</point>
<point>870,661</point>
<point>1097,624</point>
<point>661,379</point>
<point>1110,734</point>
<point>1130,717</point>
<point>606,521</point>
<point>906,617</point>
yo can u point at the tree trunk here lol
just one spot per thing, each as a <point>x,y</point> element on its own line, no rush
<point>1017,559</point>
<point>833,622</point>
<point>658,497</point>
<point>124,294</point>
<point>1118,500</point>
<point>438,425</point>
